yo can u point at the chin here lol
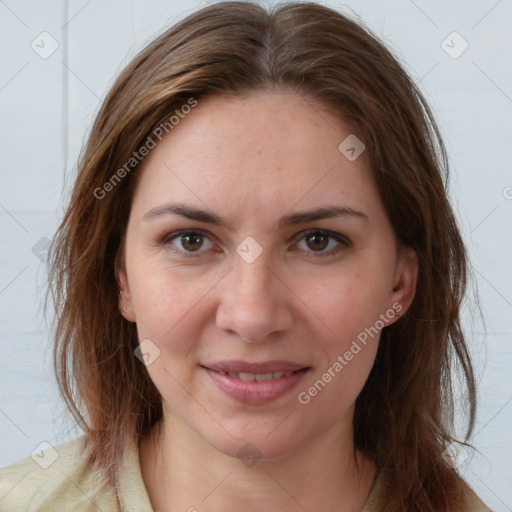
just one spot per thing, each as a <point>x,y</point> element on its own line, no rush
<point>253,443</point>
<point>255,449</point>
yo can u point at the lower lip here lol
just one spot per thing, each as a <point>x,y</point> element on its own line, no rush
<point>256,392</point>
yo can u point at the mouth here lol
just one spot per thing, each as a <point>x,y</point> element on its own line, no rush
<point>256,383</point>
<point>238,366</point>
<point>260,377</point>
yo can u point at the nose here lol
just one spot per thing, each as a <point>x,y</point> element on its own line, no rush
<point>255,301</point>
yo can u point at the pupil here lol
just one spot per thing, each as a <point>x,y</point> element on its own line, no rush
<point>316,237</point>
<point>186,238</point>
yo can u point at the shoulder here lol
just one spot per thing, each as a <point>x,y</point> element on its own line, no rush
<point>56,478</point>
<point>375,501</point>
<point>474,503</point>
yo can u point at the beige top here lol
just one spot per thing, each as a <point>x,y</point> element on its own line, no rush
<point>59,480</point>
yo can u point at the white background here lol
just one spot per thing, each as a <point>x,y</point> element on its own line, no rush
<point>47,107</point>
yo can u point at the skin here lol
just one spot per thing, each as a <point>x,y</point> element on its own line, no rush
<point>252,160</point>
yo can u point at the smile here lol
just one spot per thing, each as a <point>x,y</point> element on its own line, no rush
<point>256,376</point>
<point>255,388</point>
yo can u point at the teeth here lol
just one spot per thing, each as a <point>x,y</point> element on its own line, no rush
<point>256,376</point>
<point>264,376</point>
<point>277,375</point>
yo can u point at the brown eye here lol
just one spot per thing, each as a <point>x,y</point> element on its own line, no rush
<point>192,242</point>
<point>318,240</point>
<point>186,242</point>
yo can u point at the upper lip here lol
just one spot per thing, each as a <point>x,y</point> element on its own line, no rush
<point>237,366</point>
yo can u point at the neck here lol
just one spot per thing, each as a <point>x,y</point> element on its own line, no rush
<point>181,471</point>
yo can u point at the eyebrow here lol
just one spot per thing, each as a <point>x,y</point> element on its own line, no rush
<point>291,219</point>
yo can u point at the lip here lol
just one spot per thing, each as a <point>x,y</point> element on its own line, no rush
<point>238,365</point>
<point>257,392</point>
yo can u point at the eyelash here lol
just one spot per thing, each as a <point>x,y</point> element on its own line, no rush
<point>166,240</point>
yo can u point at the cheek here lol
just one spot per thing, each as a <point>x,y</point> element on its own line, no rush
<point>345,305</point>
<point>346,378</point>
<point>173,307</point>
<point>165,294</point>
<point>347,334</point>
<point>166,308</point>
<point>340,376</point>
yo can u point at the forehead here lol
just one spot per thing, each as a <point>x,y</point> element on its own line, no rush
<point>257,152</point>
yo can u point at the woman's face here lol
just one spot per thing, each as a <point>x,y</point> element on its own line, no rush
<point>260,285</point>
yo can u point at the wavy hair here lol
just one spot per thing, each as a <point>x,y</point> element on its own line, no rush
<point>404,414</point>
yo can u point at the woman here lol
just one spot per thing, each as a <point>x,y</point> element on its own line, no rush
<point>258,282</point>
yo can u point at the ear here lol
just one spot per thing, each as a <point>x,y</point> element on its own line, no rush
<point>404,281</point>
<point>124,297</point>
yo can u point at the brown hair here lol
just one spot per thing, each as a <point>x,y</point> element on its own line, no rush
<point>404,414</point>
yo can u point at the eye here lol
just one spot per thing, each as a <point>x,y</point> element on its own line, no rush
<point>192,240</point>
<point>319,239</point>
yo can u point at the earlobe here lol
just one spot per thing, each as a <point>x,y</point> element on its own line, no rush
<point>406,277</point>
<point>123,293</point>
